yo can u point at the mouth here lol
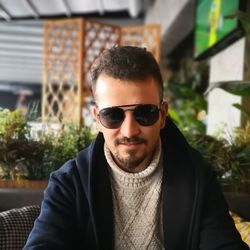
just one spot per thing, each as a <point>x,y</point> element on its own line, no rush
<point>130,146</point>
<point>130,142</point>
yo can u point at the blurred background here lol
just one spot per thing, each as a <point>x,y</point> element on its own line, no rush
<point>47,49</point>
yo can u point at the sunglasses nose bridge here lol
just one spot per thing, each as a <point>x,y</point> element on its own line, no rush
<point>126,114</point>
<point>129,126</point>
<point>125,111</point>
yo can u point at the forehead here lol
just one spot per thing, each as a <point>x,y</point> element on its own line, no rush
<point>115,92</point>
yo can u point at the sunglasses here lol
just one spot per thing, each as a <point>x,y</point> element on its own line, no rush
<point>144,114</point>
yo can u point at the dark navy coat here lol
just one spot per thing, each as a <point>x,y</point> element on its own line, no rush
<point>77,212</point>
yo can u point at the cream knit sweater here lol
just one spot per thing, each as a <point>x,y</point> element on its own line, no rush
<point>137,205</point>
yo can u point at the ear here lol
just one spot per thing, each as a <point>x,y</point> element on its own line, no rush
<point>95,112</point>
<point>95,115</point>
<point>164,113</point>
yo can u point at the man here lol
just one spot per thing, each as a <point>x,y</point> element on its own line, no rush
<point>139,185</point>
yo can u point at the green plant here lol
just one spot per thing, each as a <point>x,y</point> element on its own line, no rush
<point>186,109</point>
<point>25,160</point>
<point>22,156</point>
<point>13,129</point>
<point>241,149</point>
<point>239,88</point>
<point>238,144</point>
<point>13,124</point>
<point>229,157</point>
<point>65,146</point>
<point>184,93</point>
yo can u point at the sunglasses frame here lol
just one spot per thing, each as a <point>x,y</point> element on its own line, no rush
<point>124,110</point>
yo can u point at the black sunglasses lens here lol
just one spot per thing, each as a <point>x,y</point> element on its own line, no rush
<point>146,115</point>
<point>111,117</point>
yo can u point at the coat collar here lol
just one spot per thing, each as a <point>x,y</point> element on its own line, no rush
<point>178,190</point>
<point>100,197</point>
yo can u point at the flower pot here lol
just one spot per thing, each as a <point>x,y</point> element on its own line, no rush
<point>22,183</point>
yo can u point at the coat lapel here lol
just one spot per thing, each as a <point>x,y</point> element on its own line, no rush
<point>178,188</point>
<point>178,191</point>
<point>100,197</point>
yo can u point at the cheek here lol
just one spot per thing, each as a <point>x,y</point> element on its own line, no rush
<point>152,133</point>
<point>109,134</point>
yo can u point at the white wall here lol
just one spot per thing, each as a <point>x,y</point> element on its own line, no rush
<point>165,12</point>
<point>176,19</point>
<point>226,66</point>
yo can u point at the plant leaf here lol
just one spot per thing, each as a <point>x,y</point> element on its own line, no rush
<point>242,109</point>
<point>174,115</point>
<point>240,88</point>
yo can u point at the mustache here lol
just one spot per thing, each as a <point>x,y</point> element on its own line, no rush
<point>132,140</point>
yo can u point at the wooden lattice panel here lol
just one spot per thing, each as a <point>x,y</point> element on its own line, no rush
<point>62,82</point>
<point>97,37</point>
<point>70,48</point>
<point>147,36</point>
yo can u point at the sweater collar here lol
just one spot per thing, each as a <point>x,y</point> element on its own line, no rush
<point>133,179</point>
<point>178,188</point>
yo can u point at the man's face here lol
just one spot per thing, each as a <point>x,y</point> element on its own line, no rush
<point>132,145</point>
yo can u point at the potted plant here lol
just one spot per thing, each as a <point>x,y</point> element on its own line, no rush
<point>230,156</point>
<point>65,145</point>
<point>19,155</point>
<point>26,161</point>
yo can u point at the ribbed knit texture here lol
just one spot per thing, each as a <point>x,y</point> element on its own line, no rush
<point>137,205</point>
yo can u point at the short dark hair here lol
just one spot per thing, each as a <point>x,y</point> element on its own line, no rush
<point>127,63</point>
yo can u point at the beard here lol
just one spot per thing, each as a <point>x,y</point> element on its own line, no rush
<point>129,161</point>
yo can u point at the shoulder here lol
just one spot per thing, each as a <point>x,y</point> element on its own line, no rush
<point>191,161</point>
<point>70,169</point>
<point>200,164</point>
<point>77,170</point>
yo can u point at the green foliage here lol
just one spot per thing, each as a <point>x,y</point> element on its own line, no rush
<point>243,110</point>
<point>35,159</point>
<point>13,124</point>
<point>242,135</point>
<point>184,93</point>
<point>13,130</point>
<point>185,108</point>
<point>236,163</point>
<point>65,146</point>
<point>240,88</point>
<point>214,151</point>
<point>28,153</point>
<point>241,150</point>
<point>230,158</point>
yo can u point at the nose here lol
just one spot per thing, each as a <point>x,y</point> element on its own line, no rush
<point>129,127</point>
